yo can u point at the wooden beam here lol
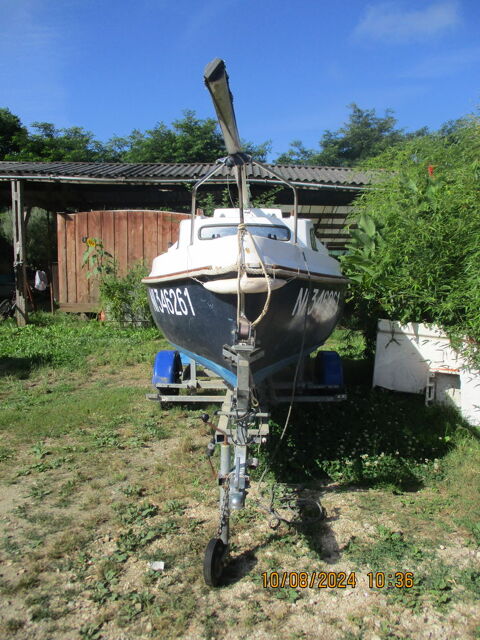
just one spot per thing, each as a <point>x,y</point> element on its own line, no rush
<point>19,252</point>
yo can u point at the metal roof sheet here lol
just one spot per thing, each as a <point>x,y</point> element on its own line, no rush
<point>161,172</point>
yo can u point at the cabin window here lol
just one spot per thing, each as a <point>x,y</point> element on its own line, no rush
<point>274,232</point>
<point>313,239</point>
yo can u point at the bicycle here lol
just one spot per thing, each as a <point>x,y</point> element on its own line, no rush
<point>8,307</point>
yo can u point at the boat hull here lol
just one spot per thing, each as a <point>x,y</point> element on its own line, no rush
<point>199,322</point>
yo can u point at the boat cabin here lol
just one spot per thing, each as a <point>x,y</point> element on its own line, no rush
<point>264,223</point>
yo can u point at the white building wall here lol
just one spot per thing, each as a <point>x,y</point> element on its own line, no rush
<point>419,358</point>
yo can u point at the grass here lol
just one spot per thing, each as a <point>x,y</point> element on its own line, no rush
<point>96,483</point>
<point>374,438</point>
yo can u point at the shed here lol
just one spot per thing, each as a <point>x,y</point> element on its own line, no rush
<point>325,194</point>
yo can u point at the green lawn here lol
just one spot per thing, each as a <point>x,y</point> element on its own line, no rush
<point>96,482</point>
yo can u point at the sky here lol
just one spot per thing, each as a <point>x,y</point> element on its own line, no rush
<point>111,66</point>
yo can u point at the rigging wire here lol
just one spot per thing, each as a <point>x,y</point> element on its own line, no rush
<point>270,509</point>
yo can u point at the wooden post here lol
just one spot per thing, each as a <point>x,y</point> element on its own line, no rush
<point>19,252</point>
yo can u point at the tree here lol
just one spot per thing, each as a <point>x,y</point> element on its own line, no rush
<point>420,259</point>
<point>11,131</point>
<point>297,154</point>
<point>189,139</point>
<point>49,144</point>
<point>364,136</point>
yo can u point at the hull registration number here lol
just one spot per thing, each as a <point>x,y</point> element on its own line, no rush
<point>174,302</point>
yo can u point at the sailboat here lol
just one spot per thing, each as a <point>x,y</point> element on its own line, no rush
<point>245,274</point>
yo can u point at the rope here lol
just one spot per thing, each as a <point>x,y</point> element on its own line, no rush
<point>241,270</point>
<point>267,278</point>
<point>240,265</point>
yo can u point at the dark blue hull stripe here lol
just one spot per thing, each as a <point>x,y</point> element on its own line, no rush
<point>227,375</point>
<point>230,378</point>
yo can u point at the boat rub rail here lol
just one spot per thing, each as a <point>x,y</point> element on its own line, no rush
<point>276,269</point>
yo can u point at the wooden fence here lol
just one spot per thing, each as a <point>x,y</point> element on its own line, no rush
<point>130,236</point>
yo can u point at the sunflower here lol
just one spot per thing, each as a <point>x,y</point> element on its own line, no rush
<point>91,242</point>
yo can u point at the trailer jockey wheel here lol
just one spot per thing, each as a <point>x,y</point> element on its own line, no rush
<point>213,562</point>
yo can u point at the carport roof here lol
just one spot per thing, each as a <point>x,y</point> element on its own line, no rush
<point>105,172</point>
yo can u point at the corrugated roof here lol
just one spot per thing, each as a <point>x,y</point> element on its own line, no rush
<point>337,177</point>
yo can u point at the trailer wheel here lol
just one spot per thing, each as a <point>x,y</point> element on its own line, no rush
<point>213,562</point>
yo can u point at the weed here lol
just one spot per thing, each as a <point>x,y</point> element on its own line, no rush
<point>134,490</point>
<point>286,593</point>
<point>135,514</point>
<point>41,467</point>
<point>194,523</point>
<point>68,487</point>
<point>5,453</point>
<point>461,482</point>
<point>14,624</point>
<point>176,507</point>
<point>257,616</point>
<point>91,631</point>
<point>391,550</point>
<point>470,579</point>
<point>38,492</point>
<point>375,438</point>
<point>135,603</point>
<point>11,546</point>
<point>79,564</point>
<point>101,590</point>
<point>40,450</point>
<point>434,584</point>
<point>105,440</point>
<point>210,625</point>
<point>153,428</point>
<point>130,541</point>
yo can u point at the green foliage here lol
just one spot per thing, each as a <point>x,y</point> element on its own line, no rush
<point>124,298</point>
<point>229,198</point>
<point>381,470</point>
<point>189,139</point>
<point>66,341</point>
<point>391,550</point>
<point>364,136</point>
<point>361,260</point>
<point>461,481</point>
<point>40,233</point>
<point>11,129</point>
<point>97,261</point>
<point>48,144</point>
<point>135,513</point>
<point>297,154</point>
<point>374,438</point>
<point>420,260</point>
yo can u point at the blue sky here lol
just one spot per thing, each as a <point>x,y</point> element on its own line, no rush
<point>111,65</point>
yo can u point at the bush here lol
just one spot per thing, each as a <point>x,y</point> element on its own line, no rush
<point>415,256</point>
<point>125,298</point>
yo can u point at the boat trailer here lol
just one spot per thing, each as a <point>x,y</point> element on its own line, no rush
<point>241,420</point>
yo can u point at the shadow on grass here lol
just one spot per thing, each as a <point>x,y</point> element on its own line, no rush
<point>375,437</point>
<point>21,367</point>
<point>320,538</point>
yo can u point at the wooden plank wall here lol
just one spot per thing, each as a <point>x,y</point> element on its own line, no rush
<point>130,236</point>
